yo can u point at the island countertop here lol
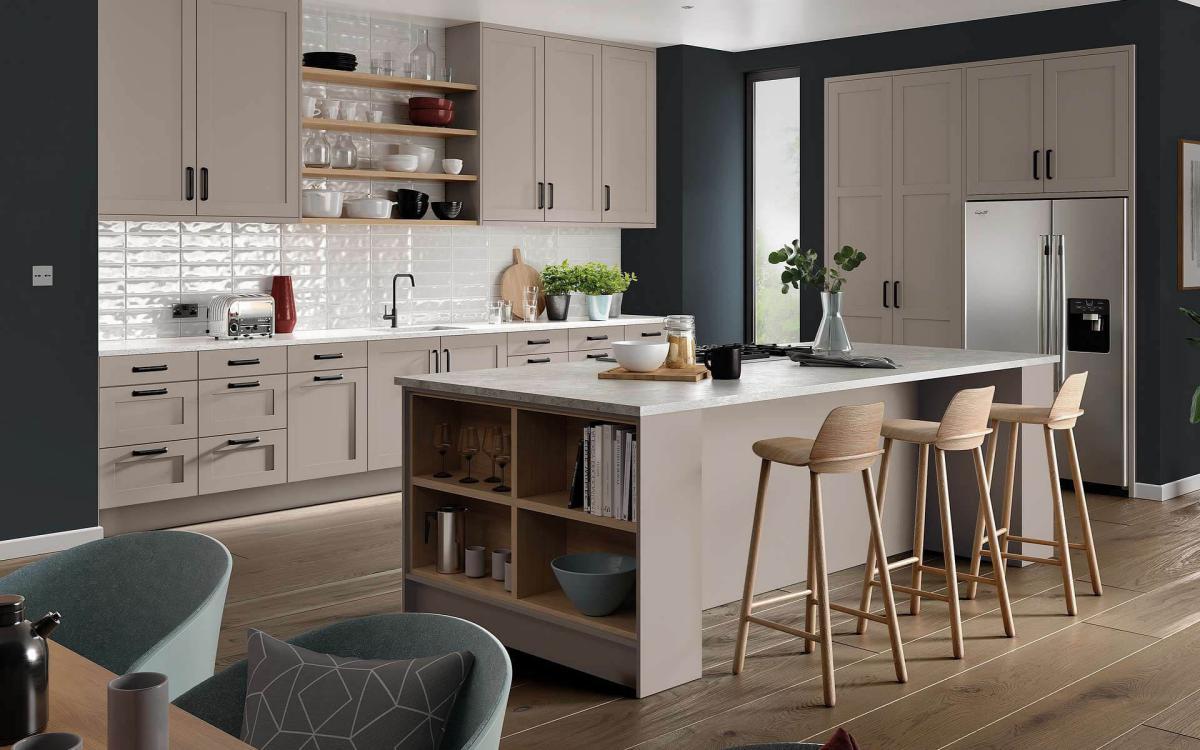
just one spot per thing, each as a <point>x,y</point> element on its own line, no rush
<point>575,385</point>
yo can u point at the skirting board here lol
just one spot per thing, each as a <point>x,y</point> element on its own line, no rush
<point>1167,491</point>
<point>45,543</point>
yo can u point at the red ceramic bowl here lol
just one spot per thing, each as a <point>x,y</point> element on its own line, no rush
<point>434,117</point>
<point>429,102</point>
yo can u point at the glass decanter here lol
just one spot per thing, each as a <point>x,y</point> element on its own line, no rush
<point>423,60</point>
<point>317,149</point>
<point>345,154</point>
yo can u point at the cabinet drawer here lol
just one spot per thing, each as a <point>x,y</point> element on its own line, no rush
<point>147,413</point>
<point>228,363</point>
<point>600,337</point>
<point>538,359</point>
<point>340,356</point>
<point>588,356</point>
<point>244,404</point>
<point>327,423</point>
<point>537,342</point>
<point>237,462</point>
<point>645,331</point>
<point>139,369</point>
<point>147,473</point>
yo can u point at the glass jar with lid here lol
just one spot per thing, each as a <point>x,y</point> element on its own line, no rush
<point>681,341</point>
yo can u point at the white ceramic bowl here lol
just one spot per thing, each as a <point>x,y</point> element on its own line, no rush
<point>424,155</point>
<point>640,356</point>
<point>452,166</point>
<point>321,204</point>
<point>369,208</point>
<point>400,162</point>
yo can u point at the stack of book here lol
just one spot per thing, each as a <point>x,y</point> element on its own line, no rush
<point>606,472</point>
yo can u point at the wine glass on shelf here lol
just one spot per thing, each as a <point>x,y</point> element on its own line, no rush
<point>502,453</point>
<point>490,447</point>
<point>441,442</point>
<point>468,447</point>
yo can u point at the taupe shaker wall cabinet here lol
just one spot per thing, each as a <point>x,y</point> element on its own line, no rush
<point>327,423</point>
<point>199,108</point>
<point>567,128</point>
<point>1056,125</point>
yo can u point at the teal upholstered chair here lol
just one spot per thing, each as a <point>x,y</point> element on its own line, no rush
<point>478,713</point>
<point>145,602</point>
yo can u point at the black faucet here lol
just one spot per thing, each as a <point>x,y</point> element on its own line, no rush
<point>394,316</point>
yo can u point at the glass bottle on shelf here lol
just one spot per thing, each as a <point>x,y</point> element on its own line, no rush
<point>316,149</point>
<point>345,154</point>
<point>423,60</point>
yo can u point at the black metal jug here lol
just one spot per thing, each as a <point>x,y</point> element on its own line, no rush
<point>24,670</point>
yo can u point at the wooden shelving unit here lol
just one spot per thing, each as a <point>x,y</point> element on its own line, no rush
<point>326,173</point>
<point>555,504</point>
<point>384,128</point>
<point>396,222</point>
<point>354,78</point>
<point>452,485</point>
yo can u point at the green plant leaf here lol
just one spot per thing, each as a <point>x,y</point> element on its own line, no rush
<point>1195,316</point>
<point>1196,406</point>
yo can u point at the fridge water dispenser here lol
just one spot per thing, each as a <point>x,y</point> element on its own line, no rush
<point>1087,325</point>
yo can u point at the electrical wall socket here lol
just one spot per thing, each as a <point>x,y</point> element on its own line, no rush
<point>43,275</point>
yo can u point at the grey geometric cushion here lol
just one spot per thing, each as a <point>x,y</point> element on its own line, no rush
<point>297,699</point>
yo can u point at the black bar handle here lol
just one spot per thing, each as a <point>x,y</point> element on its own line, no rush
<point>603,337</point>
<point>536,342</point>
<point>203,183</point>
<point>541,195</point>
<point>885,291</point>
<point>896,294</point>
<point>244,441</point>
<point>244,362</point>
<point>601,355</point>
<point>1037,157</point>
<point>151,392</point>
<point>327,356</point>
<point>608,197</point>
<point>189,190</point>
<point>326,378</point>
<point>649,334</point>
<point>538,361</point>
<point>149,452</point>
<point>247,384</point>
<point>1049,164</point>
<point>550,196</point>
<point>150,368</point>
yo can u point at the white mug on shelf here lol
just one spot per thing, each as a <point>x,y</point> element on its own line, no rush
<point>310,107</point>
<point>376,116</point>
<point>452,166</point>
<point>330,108</point>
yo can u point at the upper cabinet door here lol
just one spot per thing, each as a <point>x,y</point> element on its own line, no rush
<point>573,101</point>
<point>512,88</point>
<point>247,111</point>
<point>858,199</point>
<point>629,136</point>
<point>1087,122</point>
<point>147,106</point>
<point>1004,129</point>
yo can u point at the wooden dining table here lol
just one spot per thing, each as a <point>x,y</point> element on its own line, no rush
<point>79,704</point>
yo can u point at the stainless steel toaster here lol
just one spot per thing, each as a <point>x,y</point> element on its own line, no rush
<point>241,316</point>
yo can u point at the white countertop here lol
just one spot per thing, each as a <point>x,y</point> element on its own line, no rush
<point>207,343</point>
<point>576,386</point>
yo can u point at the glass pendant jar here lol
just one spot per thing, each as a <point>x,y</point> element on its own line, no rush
<point>345,154</point>
<point>423,60</point>
<point>317,149</point>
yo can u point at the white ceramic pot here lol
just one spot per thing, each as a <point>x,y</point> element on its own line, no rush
<point>597,306</point>
<point>400,162</point>
<point>369,208</point>
<point>640,356</point>
<point>321,204</point>
<point>452,166</point>
<point>424,155</point>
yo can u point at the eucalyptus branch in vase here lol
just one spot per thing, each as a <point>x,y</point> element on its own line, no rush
<point>804,267</point>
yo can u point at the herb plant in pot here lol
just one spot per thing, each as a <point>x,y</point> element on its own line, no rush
<point>626,279</point>
<point>558,281</point>
<point>599,282</point>
<point>803,267</point>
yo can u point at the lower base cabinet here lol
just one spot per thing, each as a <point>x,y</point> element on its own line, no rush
<point>137,474</point>
<point>327,423</point>
<point>239,462</point>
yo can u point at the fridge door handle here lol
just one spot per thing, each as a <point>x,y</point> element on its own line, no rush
<point>1061,310</point>
<point>1043,295</point>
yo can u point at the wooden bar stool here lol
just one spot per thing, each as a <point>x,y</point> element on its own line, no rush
<point>1059,416</point>
<point>963,428</point>
<point>848,441</point>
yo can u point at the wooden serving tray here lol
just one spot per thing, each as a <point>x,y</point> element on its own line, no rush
<point>689,374</point>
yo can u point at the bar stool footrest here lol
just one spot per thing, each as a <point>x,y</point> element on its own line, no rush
<point>779,599</point>
<point>857,613</point>
<point>1025,558</point>
<point>785,629</point>
<point>901,589</point>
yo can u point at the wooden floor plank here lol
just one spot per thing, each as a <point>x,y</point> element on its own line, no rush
<point>1160,613</point>
<point>1148,738</point>
<point>1183,717</point>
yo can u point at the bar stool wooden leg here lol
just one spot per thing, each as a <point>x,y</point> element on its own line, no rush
<point>948,553</point>
<point>1010,483</point>
<point>869,573</point>
<point>1060,524</point>
<point>739,654</point>
<point>810,581</point>
<point>885,578</point>
<point>914,601</point>
<point>1084,519</point>
<point>977,545</point>
<point>993,539</point>
<point>822,581</point>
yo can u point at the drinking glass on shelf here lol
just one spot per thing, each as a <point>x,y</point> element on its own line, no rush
<point>496,311</point>
<point>529,306</point>
<point>492,446</point>
<point>441,442</point>
<point>505,311</point>
<point>468,447</point>
<point>502,454</point>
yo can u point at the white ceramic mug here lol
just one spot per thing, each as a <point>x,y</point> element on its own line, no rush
<point>310,107</point>
<point>330,108</point>
<point>376,116</point>
<point>452,166</point>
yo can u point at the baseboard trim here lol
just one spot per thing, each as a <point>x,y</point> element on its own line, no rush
<point>1162,492</point>
<point>45,543</point>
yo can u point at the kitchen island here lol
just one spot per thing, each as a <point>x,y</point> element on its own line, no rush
<point>696,484</point>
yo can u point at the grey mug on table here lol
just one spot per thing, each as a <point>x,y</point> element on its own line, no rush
<point>51,741</point>
<point>137,711</point>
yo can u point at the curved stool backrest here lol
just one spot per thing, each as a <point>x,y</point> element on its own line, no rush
<point>1067,402</point>
<point>965,421</point>
<point>150,601</point>
<point>848,439</point>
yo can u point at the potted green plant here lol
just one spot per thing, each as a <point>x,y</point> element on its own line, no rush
<point>558,281</point>
<point>804,267</point>
<point>627,278</point>
<point>599,282</point>
<point>1194,414</point>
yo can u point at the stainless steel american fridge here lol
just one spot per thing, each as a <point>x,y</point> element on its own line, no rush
<point>1050,276</point>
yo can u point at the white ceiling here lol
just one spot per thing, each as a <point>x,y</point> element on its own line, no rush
<point>718,24</point>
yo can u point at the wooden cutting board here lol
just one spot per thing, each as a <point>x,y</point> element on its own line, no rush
<point>514,279</point>
<point>689,374</point>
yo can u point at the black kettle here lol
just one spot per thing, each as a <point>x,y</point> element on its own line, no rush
<point>24,670</point>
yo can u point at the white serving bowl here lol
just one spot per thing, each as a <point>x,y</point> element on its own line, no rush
<point>640,356</point>
<point>321,204</point>
<point>424,155</point>
<point>452,166</point>
<point>369,208</point>
<point>400,162</point>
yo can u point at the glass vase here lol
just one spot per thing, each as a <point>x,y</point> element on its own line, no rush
<point>423,60</point>
<point>832,338</point>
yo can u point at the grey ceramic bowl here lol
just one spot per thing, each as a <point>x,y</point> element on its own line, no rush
<point>597,583</point>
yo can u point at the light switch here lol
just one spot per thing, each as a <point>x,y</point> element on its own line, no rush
<point>43,275</point>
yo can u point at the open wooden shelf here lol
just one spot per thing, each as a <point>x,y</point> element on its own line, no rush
<point>622,623</point>
<point>555,504</point>
<point>382,174</point>
<point>354,78</point>
<point>395,222</point>
<point>482,587</point>
<point>451,485</point>
<point>385,128</point>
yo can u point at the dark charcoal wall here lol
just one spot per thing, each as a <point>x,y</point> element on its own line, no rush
<point>48,212</point>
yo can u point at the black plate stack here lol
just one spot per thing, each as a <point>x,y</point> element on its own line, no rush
<point>331,60</point>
